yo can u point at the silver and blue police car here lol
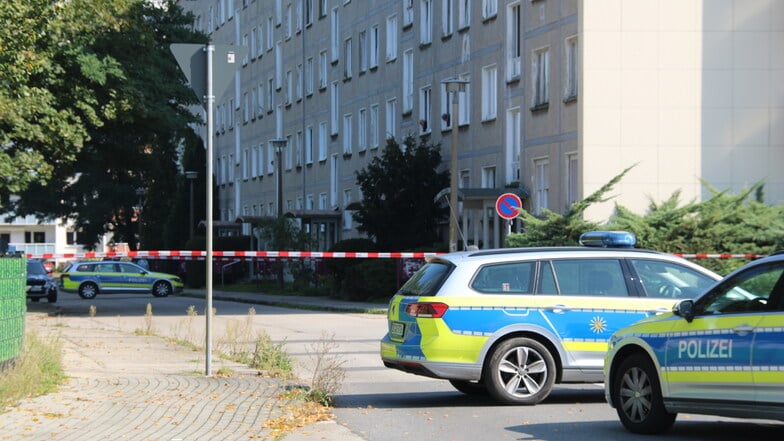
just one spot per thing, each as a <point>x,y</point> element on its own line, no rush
<point>88,279</point>
<point>719,354</point>
<point>513,322</point>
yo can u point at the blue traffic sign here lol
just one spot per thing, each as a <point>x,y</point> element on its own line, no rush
<point>508,205</point>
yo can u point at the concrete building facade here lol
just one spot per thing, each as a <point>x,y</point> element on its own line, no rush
<point>562,96</point>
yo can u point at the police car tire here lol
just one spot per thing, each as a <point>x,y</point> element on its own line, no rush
<point>506,365</point>
<point>52,296</point>
<point>469,387</point>
<point>636,374</point>
<point>88,290</point>
<point>161,289</point>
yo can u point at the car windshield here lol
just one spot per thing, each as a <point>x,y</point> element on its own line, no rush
<point>427,280</point>
<point>35,268</point>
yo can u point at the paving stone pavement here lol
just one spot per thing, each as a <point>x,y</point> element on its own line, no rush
<point>161,396</point>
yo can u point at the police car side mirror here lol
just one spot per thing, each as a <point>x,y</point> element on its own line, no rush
<point>685,309</point>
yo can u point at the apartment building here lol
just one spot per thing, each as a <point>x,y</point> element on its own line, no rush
<point>562,95</point>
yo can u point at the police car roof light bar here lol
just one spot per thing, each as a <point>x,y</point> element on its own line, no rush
<point>608,239</point>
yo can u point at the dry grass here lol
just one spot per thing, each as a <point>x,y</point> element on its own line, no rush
<point>37,371</point>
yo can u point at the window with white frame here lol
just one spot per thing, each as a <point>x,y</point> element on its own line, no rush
<point>333,180</point>
<point>391,53</point>
<point>246,164</point>
<point>260,42</point>
<point>245,107</point>
<point>278,65</point>
<point>322,8</point>
<point>488,177</point>
<point>374,46</point>
<point>253,39</point>
<point>270,34</point>
<point>288,153</point>
<point>347,62</point>
<point>334,26</point>
<point>260,158</point>
<point>347,214</point>
<point>323,70</point>
<point>309,145</point>
<point>347,135</point>
<point>298,150</point>
<point>270,95</point>
<point>446,108</point>
<point>489,92</point>
<point>322,145</point>
<point>514,41</point>
<point>408,80</point>
<point>572,183</point>
<point>298,14</point>
<point>541,185</point>
<point>425,109</point>
<point>231,166</point>
<point>334,106</point>
<point>464,101</point>
<point>540,68</point>
<point>489,8</point>
<point>362,51</point>
<point>309,202</point>
<point>230,114</point>
<point>373,126</point>
<point>298,82</point>
<point>362,130</point>
<point>289,22</point>
<point>278,11</point>
<point>253,103</point>
<point>391,117</point>
<point>254,161</point>
<point>447,22</point>
<point>513,144</point>
<point>426,21</point>
<point>289,87</point>
<point>322,201</point>
<point>270,158</point>
<point>464,180</point>
<point>309,76</point>
<point>309,12</point>
<point>570,72</point>
<point>408,12</point>
<point>463,14</point>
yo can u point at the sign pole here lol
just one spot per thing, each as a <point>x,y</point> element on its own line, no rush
<point>210,132</point>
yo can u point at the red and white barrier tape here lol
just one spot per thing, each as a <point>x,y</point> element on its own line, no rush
<point>200,255</point>
<point>721,256</point>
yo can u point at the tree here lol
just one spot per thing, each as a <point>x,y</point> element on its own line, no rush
<point>139,145</point>
<point>398,209</point>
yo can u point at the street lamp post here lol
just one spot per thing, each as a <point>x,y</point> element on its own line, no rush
<point>279,144</point>
<point>191,176</point>
<point>139,193</point>
<point>453,86</point>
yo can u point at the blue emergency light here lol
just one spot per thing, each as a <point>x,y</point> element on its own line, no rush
<point>608,239</point>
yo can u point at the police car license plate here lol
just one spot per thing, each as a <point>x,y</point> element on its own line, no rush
<point>396,330</point>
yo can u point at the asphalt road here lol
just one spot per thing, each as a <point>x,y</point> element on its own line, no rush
<point>380,404</point>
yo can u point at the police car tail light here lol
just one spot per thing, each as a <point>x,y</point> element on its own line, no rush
<point>430,310</point>
<point>608,239</point>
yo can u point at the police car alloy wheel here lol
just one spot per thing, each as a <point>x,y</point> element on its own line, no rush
<point>638,397</point>
<point>521,371</point>
<point>161,289</point>
<point>88,290</point>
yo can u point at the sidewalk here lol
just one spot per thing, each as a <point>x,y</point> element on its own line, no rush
<point>137,387</point>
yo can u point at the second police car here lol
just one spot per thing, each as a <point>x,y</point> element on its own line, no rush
<point>720,354</point>
<point>90,278</point>
<point>513,322</point>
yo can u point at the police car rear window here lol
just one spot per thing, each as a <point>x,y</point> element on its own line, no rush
<point>427,280</point>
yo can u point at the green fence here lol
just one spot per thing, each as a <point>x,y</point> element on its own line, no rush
<point>13,307</point>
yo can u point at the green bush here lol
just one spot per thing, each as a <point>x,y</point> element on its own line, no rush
<point>370,279</point>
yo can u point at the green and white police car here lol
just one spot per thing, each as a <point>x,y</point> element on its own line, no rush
<point>719,354</point>
<point>88,279</point>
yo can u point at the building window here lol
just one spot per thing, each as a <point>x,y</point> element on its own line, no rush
<point>514,41</point>
<point>463,14</point>
<point>391,38</point>
<point>362,130</point>
<point>270,34</point>
<point>374,46</point>
<point>298,82</point>
<point>309,76</point>
<point>289,87</point>
<point>408,12</point>
<point>309,12</point>
<point>309,145</point>
<point>513,143</point>
<point>347,59</point>
<point>426,22</point>
<point>322,70</point>
<point>298,150</point>
<point>246,162</point>
<point>362,52</point>
<point>288,153</point>
<point>334,105</point>
<point>288,24</point>
<point>425,109</point>
<point>447,26</point>
<point>322,8</point>
<point>347,214</point>
<point>408,80</point>
<point>374,138</point>
<point>488,177</point>
<point>347,135</point>
<point>334,35</point>
<point>270,158</point>
<point>446,108</point>
<point>464,102</point>
<point>391,117</point>
<point>540,78</point>
<point>322,147</point>
<point>245,107</point>
<point>254,161</point>
<point>278,65</point>
<point>541,185</point>
<point>489,92</point>
<point>270,95</point>
<point>570,72</point>
<point>489,8</point>
<point>572,183</point>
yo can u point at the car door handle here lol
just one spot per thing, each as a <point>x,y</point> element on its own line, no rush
<point>743,329</point>
<point>558,309</point>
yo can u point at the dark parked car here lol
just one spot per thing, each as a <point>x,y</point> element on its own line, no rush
<point>40,283</point>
